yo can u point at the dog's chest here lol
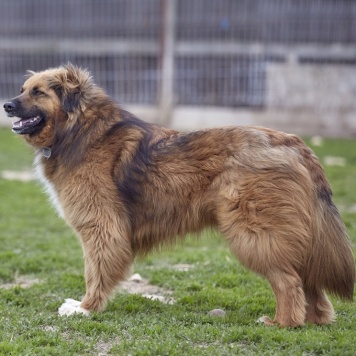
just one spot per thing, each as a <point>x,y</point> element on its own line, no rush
<point>49,186</point>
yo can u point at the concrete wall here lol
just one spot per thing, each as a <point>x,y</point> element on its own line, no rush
<point>314,99</point>
<point>305,99</point>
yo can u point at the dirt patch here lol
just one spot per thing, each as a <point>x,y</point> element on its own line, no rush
<point>103,348</point>
<point>335,161</point>
<point>22,176</point>
<point>22,282</point>
<point>137,285</point>
<point>347,208</point>
<point>352,209</point>
<point>182,267</point>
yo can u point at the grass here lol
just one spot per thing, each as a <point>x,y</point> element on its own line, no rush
<point>35,243</point>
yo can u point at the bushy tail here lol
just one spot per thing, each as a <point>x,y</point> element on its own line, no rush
<point>330,264</point>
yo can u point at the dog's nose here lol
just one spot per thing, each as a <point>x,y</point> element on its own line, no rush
<point>9,106</point>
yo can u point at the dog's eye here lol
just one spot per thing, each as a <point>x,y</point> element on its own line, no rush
<point>22,90</point>
<point>36,91</point>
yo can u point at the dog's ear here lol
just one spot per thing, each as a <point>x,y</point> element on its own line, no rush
<point>69,84</point>
<point>67,92</point>
<point>73,88</point>
<point>71,100</point>
<point>29,74</point>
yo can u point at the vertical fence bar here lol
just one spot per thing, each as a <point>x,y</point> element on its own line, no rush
<point>166,94</point>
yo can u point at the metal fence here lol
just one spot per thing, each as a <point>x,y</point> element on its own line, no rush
<point>174,52</point>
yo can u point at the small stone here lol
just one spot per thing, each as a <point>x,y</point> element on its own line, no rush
<point>136,278</point>
<point>49,328</point>
<point>317,141</point>
<point>217,312</point>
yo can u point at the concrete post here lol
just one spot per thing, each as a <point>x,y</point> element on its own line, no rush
<point>166,91</point>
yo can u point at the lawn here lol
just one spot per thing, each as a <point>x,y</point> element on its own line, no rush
<point>41,265</point>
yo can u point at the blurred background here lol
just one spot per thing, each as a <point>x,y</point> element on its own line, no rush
<point>188,64</point>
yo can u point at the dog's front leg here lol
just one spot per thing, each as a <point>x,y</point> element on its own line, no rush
<point>108,259</point>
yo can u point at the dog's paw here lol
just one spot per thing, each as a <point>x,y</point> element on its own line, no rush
<point>265,320</point>
<point>70,307</point>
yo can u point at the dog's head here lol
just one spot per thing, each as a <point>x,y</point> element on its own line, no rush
<point>50,100</point>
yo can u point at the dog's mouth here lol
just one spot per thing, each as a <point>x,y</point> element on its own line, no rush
<point>26,125</point>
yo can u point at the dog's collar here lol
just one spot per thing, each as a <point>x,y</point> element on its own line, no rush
<point>46,152</point>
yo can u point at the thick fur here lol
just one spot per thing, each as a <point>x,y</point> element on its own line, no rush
<point>126,187</point>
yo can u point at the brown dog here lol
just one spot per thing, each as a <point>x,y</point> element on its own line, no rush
<point>126,186</point>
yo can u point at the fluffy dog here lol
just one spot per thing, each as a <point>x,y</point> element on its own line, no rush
<point>126,186</point>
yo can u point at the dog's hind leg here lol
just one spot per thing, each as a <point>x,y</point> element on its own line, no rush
<point>288,290</point>
<point>263,254</point>
<point>261,257</point>
<point>266,222</point>
<point>108,260</point>
<point>319,309</point>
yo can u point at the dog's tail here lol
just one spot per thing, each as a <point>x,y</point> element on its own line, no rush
<point>330,262</point>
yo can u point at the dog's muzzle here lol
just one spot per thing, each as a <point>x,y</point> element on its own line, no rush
<point>29,121</point>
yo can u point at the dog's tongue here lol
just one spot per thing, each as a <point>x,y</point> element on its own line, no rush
<point>26,122</point>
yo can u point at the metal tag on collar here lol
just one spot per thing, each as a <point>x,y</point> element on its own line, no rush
<point>46,151</point>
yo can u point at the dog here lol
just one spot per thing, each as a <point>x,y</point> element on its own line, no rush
<point>127,186</point>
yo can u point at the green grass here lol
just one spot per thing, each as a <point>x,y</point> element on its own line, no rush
<point>35,243</point>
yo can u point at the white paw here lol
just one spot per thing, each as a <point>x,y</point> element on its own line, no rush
<point>265,320</point>
<point>70,307</point>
